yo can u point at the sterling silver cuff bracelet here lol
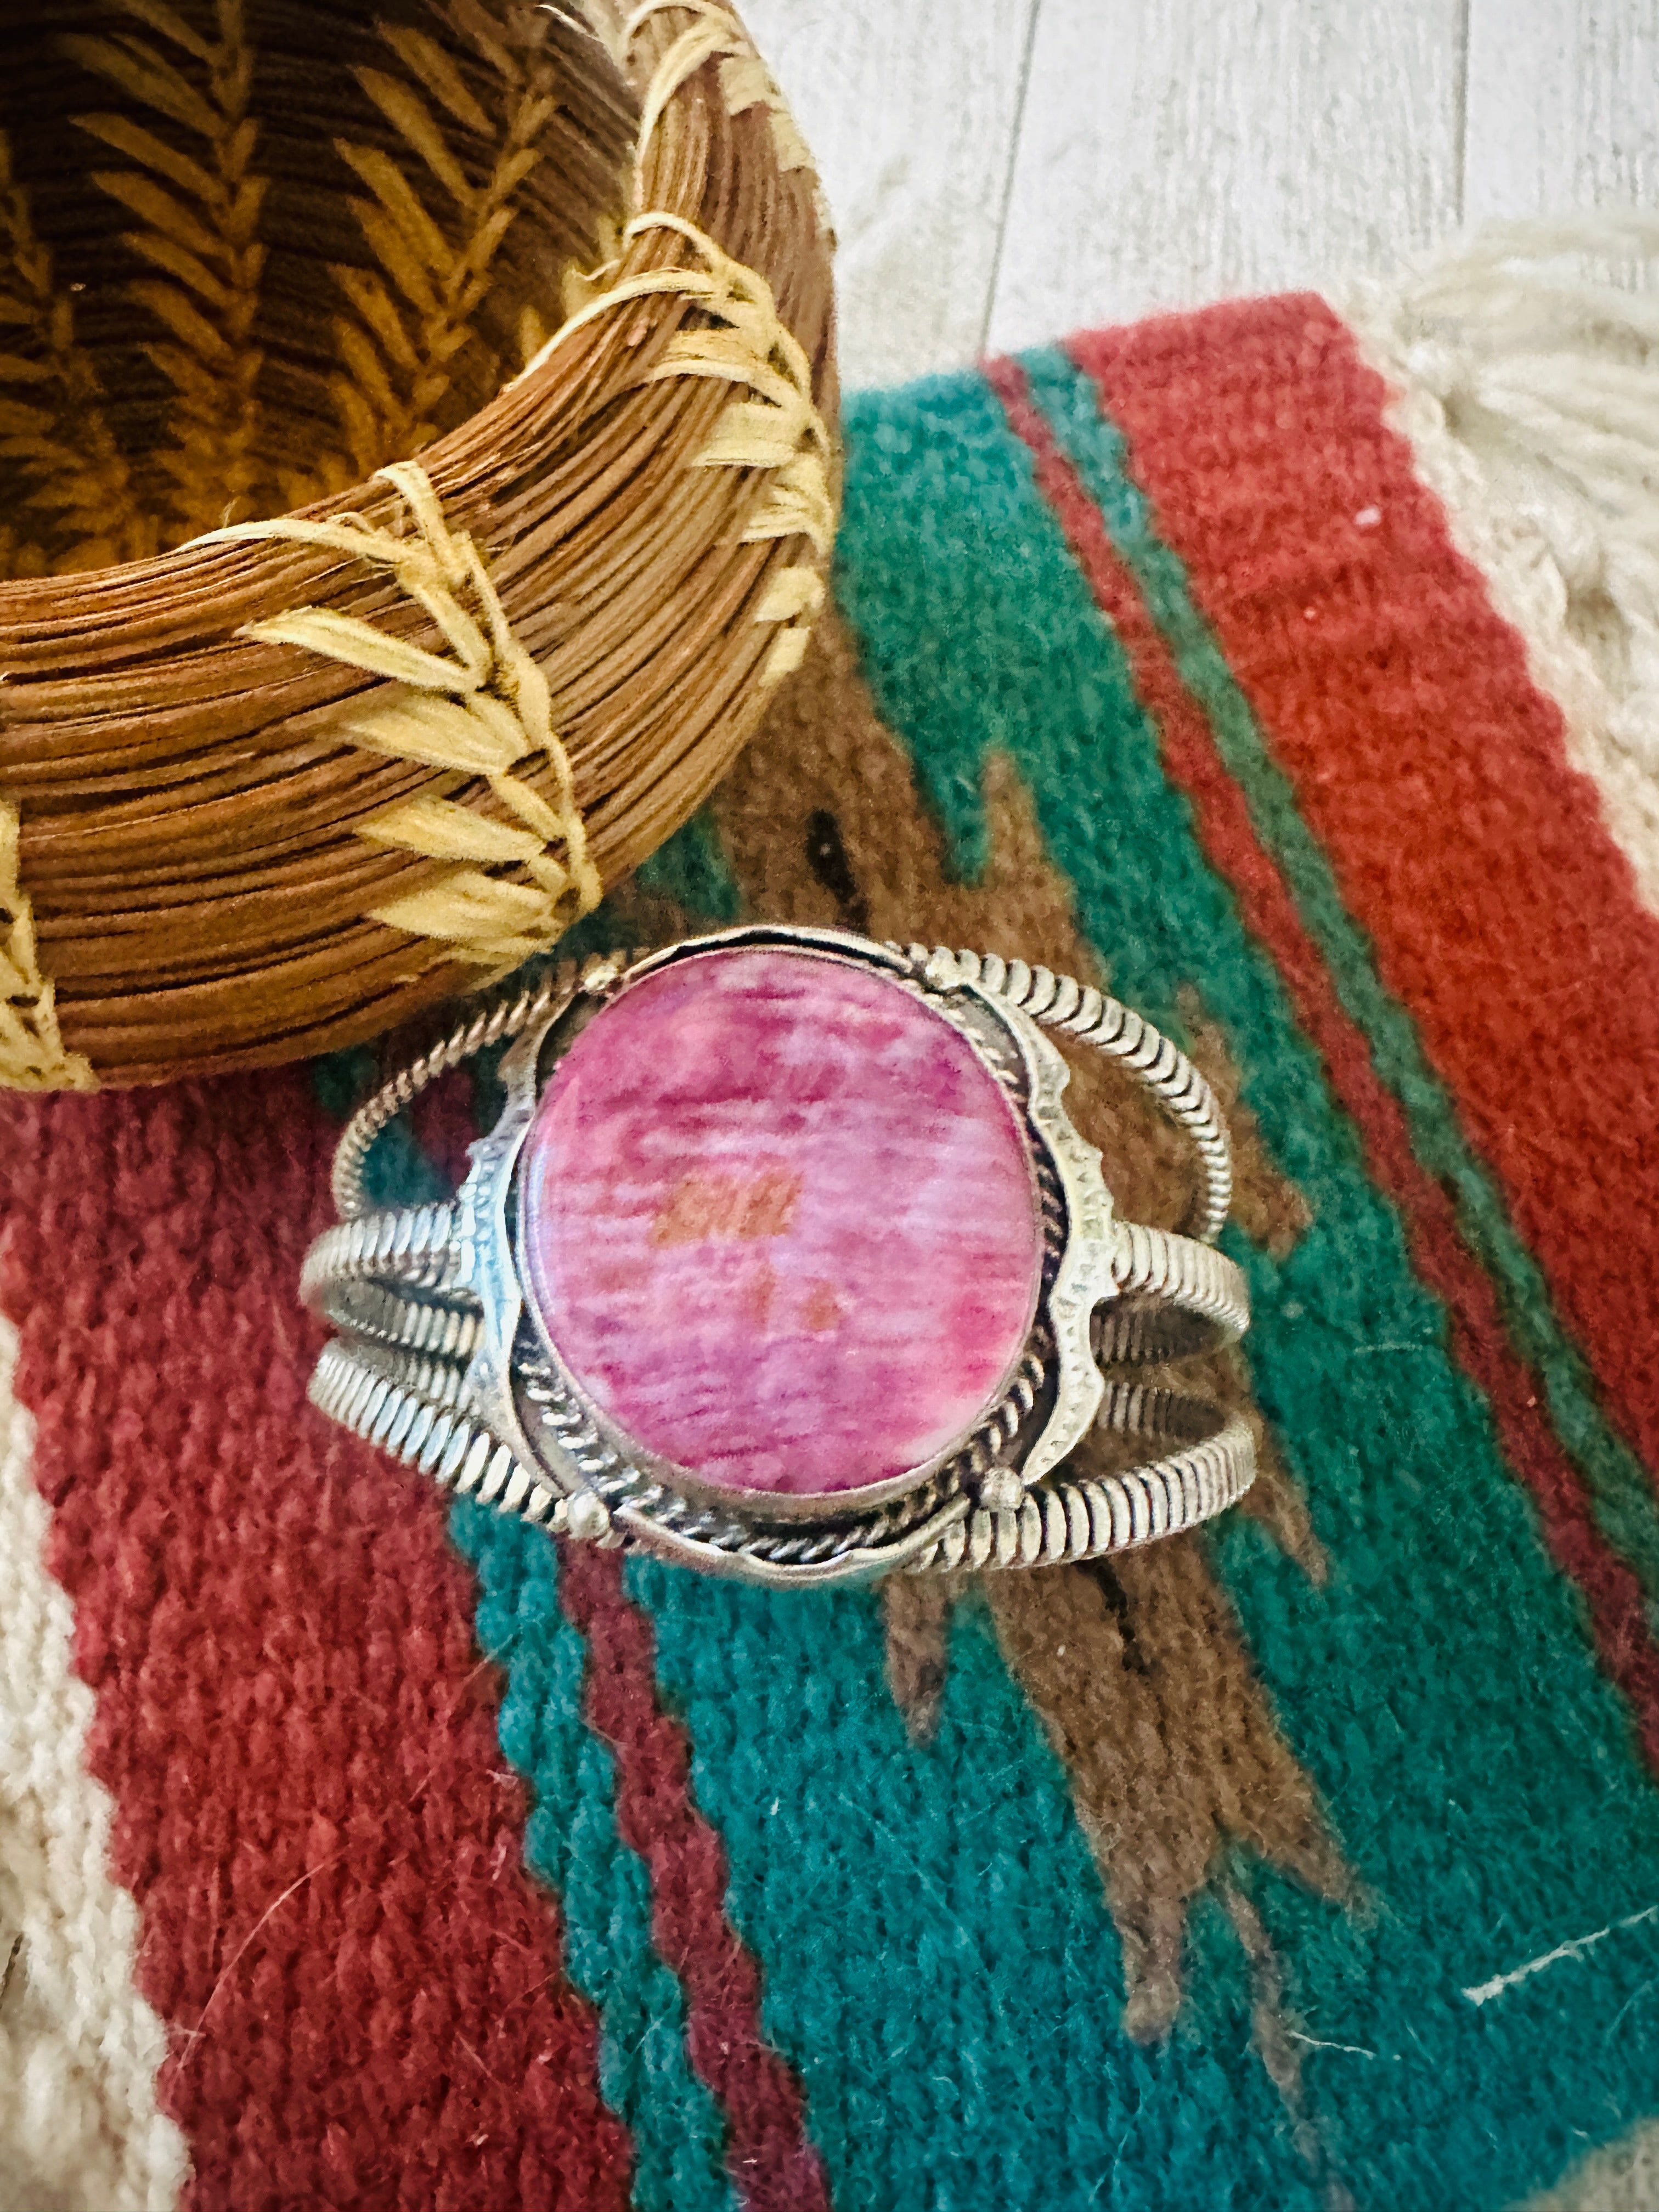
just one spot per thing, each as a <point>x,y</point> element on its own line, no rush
<point>783,1260</point>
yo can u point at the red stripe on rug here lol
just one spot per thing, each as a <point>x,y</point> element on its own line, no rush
<point>1360,634</point>
<point>774,2164</point>
<point>1479,1343</point>
<point>365,1984</point>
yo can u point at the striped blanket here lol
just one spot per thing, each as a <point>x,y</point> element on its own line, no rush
<point>360,1850</point>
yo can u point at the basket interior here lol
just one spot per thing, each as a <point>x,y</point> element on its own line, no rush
<point>253,250</point>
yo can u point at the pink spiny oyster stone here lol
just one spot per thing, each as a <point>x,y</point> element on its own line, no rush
<point>780,1221</point>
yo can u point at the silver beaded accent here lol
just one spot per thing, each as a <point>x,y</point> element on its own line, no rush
<point>1067,1518</point>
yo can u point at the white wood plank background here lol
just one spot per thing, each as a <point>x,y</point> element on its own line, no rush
<point>1563,105</point>
<point>911,107</point>
<point>1004,171</point>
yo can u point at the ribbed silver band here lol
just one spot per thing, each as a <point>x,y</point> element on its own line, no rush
<point>418,1410</point>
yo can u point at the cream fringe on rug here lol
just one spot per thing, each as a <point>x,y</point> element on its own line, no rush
<point>1528,386</point>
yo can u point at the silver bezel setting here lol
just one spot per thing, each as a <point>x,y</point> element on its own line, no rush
<point>1041,1407</point>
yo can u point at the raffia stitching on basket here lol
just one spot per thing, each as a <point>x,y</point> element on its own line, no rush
<point>480,712</point>
<point>31,1053</point>
<point>415,318</point>
<point>53,415</point>
<point>715,34</point>
<point>200,219</point>
<point>778,429</point>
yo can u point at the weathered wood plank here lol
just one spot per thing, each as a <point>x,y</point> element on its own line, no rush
<point>1177,153</point>
<point>910,107</point>
<point>1562,107</point>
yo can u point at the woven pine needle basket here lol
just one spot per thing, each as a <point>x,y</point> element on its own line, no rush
<point>415,475</point>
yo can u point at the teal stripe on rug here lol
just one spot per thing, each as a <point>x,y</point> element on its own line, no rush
<point>939,1963</point>
<point>603,1889</point>
<point>1625,1508</point>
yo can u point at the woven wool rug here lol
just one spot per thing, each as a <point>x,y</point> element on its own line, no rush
<point>1287,669</point>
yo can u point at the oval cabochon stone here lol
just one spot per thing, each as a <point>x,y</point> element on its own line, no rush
<point>781,1222</point>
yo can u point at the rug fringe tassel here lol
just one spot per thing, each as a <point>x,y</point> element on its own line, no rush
<point>1527,382</point>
